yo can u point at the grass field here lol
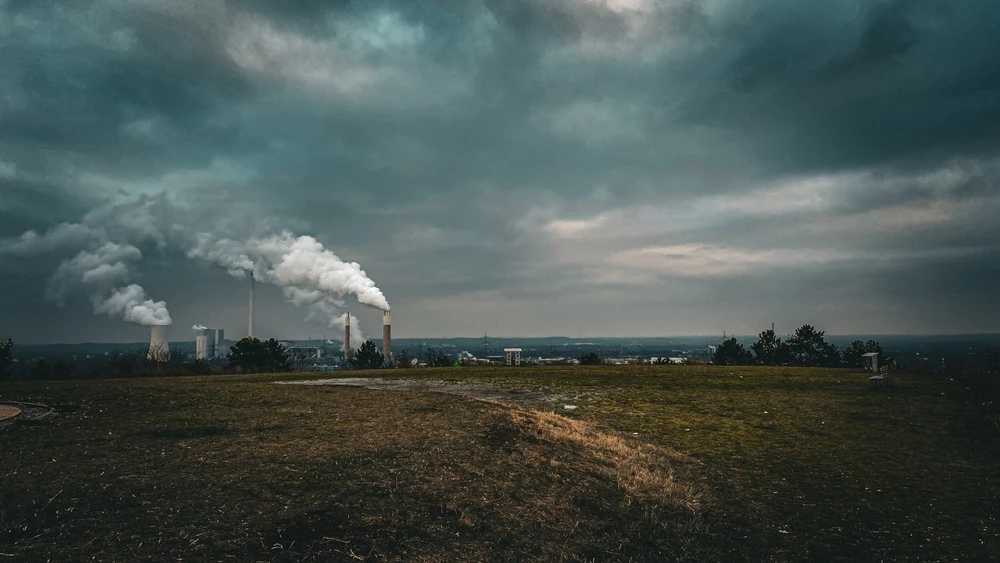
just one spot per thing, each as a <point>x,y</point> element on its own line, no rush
<point>657,463</point>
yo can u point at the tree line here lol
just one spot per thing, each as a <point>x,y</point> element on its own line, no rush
<point>248,355</point>
<point>806,347</point>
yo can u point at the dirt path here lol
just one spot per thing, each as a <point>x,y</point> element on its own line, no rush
<point>474,390</point>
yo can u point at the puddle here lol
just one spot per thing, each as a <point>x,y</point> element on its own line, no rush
<point>474,390</point>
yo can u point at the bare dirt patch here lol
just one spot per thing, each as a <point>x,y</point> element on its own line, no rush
<point>486,391</point>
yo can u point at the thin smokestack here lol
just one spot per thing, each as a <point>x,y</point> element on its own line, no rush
<point>250,329</point>
<point>347,337</point>
<point>387,336</point>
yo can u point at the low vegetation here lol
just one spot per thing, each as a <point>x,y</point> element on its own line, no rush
<point>656,463</point>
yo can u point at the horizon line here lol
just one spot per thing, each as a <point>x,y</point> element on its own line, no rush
<point>925,335</point>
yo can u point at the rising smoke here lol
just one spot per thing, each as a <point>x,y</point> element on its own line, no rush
<point>107,243</point>
<point>308,274</point>
<point>101,273</point>
<point>357,337</point>
<point>131,305</point>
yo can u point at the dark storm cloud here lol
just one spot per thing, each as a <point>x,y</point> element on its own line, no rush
<point>531,156</point>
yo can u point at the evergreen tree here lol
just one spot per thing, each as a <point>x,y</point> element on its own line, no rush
<point>853,353</point>
<point>807,347</point>
<point>437,359</point>
<point>367,356</point>
<point>769,350</point>
<point>731,353</point>
<point>255,355</point>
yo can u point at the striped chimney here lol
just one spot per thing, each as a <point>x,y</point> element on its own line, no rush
<point>347,337</point>
<point>387,336</point>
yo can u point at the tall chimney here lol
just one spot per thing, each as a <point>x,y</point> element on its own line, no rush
<point>387,336</point>
<point>347,337</point>
<point>250,330</point>
<point>158,347</point>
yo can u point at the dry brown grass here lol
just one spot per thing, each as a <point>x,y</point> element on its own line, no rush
<point>209,468</point>
<point>644,471</point>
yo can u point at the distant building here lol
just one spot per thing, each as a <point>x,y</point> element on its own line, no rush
<point>512,356</point>
<point>210,343</point>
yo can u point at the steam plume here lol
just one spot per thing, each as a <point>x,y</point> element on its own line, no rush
<point>199,327</point>
<point>107,240</point>
<point>357,337</point>
<point>100,267</point>
<point>131,304</point>
<point>309,274</point>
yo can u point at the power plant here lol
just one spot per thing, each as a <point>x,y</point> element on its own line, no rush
<point>209,343</point>
<point>387,336</point>
<point>158,347</point>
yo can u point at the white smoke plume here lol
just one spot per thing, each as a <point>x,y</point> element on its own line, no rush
<point>224,252</point>
<point>199,327</point>
<point>308,274</point>
<point>303,263</point>
<point>102,269</point>
<point>131,304</point>
<point>357,337</point>
<point>108,239</point>
<point>105,244</point>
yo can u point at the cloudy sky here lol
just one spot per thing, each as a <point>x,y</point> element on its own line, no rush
<point>522,167</point>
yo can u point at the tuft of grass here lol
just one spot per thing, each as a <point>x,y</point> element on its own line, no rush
<point>645,471</point>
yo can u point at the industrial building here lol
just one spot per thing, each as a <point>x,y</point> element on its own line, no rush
<point>210,343</point>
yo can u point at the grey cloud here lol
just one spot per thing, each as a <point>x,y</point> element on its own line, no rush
<point>434,141</point>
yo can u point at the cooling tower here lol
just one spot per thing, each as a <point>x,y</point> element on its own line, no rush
<point>387,336</point>
<point>347,337</point>
<point>158,347</point>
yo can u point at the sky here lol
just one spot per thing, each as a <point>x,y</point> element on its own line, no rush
<point>515,167</point>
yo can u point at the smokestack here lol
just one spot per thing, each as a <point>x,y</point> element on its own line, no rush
<point>347,337</point>
<point>387,336</point>
<point>250,329</point>
<point>158,347</point>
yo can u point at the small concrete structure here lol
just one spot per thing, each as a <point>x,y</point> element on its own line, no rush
<point>512,356</point>
<point>870,363</point>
